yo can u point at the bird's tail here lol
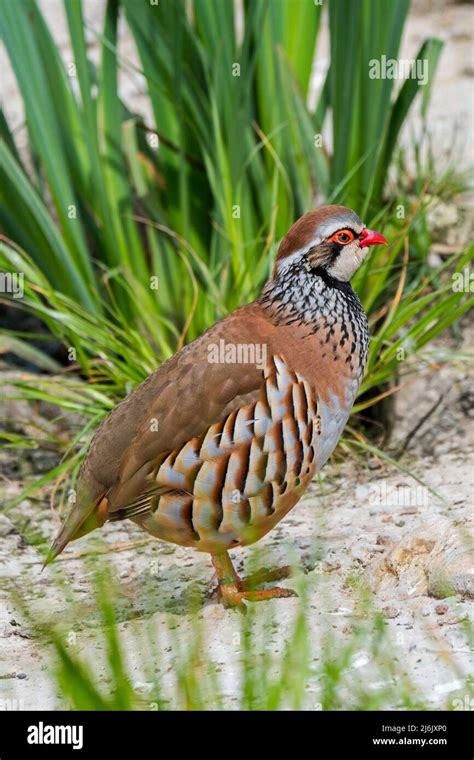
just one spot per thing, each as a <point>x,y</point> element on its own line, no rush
<point>59,543</point>
<point>77,523</point>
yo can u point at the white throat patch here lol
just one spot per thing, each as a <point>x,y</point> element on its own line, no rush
<point>348,262</point>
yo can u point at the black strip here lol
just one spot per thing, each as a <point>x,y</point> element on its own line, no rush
<point>369,734</point>
<point>332,282</point>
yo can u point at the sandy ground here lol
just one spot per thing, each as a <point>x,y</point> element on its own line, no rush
<point>369,522</point>
<point>377,525</point>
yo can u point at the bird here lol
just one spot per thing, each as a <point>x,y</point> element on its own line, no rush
<point>218,444</point>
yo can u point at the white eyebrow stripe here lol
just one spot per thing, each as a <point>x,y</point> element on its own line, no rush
<point>338,223</point>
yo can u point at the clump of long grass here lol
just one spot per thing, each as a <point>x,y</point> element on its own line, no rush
<point>237,159</point>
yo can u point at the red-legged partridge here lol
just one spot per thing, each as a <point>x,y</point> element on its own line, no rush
<point>218,444</point>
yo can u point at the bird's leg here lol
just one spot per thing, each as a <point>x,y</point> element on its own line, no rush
<point>228,582</point>
<point>234,592</point>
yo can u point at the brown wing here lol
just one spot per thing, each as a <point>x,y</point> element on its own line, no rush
<point>179,401</point>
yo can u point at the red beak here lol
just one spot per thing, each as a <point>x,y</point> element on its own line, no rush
<point>370,237</point>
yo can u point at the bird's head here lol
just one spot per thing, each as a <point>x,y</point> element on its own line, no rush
<point>330,240</point>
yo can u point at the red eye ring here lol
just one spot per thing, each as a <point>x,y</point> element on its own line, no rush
<point>343,237</point>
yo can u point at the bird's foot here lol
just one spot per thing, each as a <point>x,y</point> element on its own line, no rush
<point>265,575</point>
<point>234,592</point>
<point>232,597</point>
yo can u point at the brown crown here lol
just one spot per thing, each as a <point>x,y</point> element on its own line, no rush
<point>305,228</point>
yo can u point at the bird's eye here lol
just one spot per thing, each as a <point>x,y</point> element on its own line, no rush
<point>343,237</point>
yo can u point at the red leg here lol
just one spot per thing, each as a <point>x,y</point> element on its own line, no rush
<point>234,592</point>
<point>228,582</point>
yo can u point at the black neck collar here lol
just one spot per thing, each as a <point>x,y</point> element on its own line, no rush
<point>330,281</point>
